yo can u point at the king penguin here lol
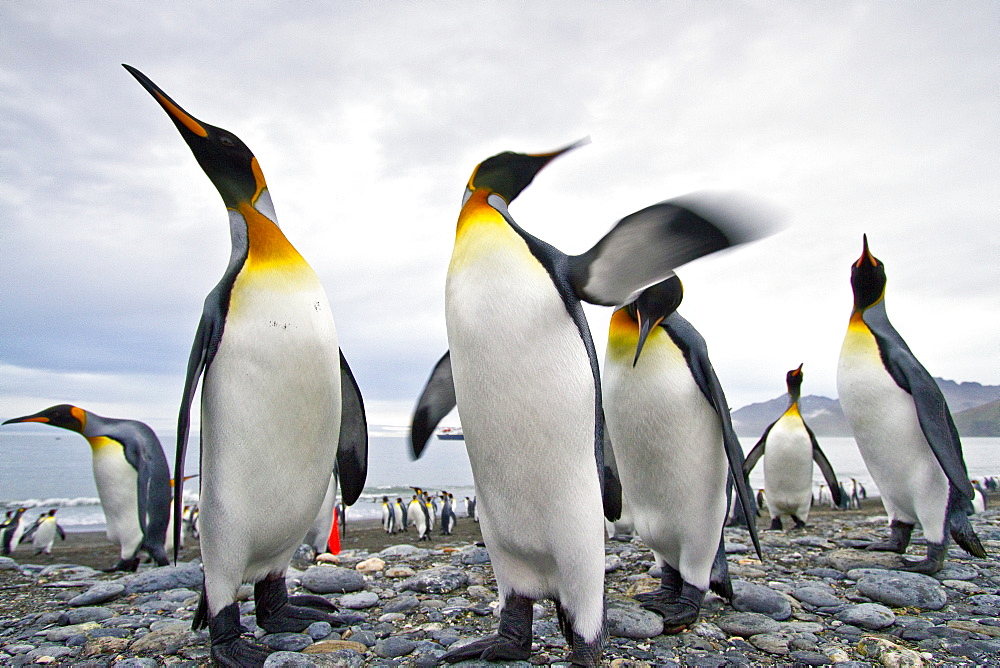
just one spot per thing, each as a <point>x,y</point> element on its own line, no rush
<point>674,448</point>
<point>13,529</point>
<point>279,406</point>
<point>131,475</point>
<point>44,531</point>
<point>524,373</point>
<point>790,448</point>
<point>903,428</point>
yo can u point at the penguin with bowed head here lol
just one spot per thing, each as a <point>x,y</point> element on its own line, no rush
<point>131,475</point>
<point>675,450</point>
<point>789,448</point>
<point>523,371</point>
<point>43,532</point>
<point>903,428</point>
<point>279,406</point>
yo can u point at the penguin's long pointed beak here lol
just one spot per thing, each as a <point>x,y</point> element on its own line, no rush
<point>184,121</point>
<point>866,254</point>
<point>646,325</point>
<point>27,418</point>
<point>549,157</point>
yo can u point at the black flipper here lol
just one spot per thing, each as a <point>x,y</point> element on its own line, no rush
<point>352,450</point>
<point>646,246</point>
<point>612,482</point>
<point>436,401</point>
<point>756,452</point>
<point>824,465</point>
<point>691,343</point>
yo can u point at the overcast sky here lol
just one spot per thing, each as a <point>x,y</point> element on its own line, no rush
<point>367,118</point>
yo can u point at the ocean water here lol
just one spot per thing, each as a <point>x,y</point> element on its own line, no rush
<point>45,468</point>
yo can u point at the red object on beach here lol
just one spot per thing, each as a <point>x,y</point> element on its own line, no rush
<point>333,543</point>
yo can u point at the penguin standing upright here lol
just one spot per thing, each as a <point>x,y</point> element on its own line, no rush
<point>43,533</point>
<point>903,428</point>
<point>388,516</point>
<point>416,514</point>
<point>132,478</point>
<point>12,531</point>
<point>447,514</point>
<point>524,373</point>
<point>399,515</point>
<point>789,448</point>
<point>279,406</point>
<point>674,448</point>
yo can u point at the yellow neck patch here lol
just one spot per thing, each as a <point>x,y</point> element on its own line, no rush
<point>623,337</point>
<point>269,249</point>
<point>99,443</point>
<point>793,411</point>
<point>477,211</point>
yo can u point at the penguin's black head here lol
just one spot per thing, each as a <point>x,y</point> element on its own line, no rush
<point>653,305</point>
<point>63,415</point>
<point>867,279</point>
<point>226,160</point>
<point>793,379</point>
<point>508,173</point>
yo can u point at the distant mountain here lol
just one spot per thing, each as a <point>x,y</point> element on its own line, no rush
<point>979,421</point>
<point>969,403</point>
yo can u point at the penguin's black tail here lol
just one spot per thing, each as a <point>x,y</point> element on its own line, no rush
<point>719,581</point>
<point>200,620</point>
<point>959,509</point>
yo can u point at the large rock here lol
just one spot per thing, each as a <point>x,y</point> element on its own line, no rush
<point>900,589</point>
<point>332,580</point>
<point>847,559</point>
<point>868,616</point>
<point>166,577</point>
<point>628,620</point>
<point>440,580</point>
<point>359,601</point>
<point>819,596</point>
<point>746,624</point>
<point>751,597</point>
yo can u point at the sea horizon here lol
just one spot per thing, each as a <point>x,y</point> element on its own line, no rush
<point>44,468</point>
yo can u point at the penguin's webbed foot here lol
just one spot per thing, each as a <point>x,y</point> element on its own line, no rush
<point>899,539</point>
<point>775,524</point>
<point>124,565</point>
<point>277,614</point>
<point>512,643</point>
<point>931,564</point>
<point>490,648</point>
<point>680,613</point>
<point>230,647</point>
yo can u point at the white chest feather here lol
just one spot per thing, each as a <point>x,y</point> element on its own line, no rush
<point>884,420</point>
<point>668,446</point>
<point>788,467</point>
<point>117,486</point>
<point>270,415</point>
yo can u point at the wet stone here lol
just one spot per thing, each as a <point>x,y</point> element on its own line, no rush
<point>868,616</point>
<point>440,580</point>
<point>751,597</point>
<point>164,577</point>
<point>358,601</point>
<point>746,624</point>
<point>816,595</point>
<point>401,604</point>
<point>628,620</point>
<point>900,589</point>
<point>284,659</point>
<point>394,646</point>
<point>101,592</point>
<point>332,579</point>
<point>86,614</point>
<point>287,642</point>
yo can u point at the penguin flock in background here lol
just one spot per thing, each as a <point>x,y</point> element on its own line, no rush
<point>283,424</point>
<point>523,371</point>
<point>132,478</point>
<point>267,354</point>
<point>903,428</point>
<point>789,448</point>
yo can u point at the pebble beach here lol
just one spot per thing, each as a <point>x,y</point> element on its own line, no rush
<point>815,600</point>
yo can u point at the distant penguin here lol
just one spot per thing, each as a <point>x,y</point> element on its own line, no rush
<point>903,428</point>
<point>13,529</point>
<point>399,515</point>
<point>416,514</point>
<point>132,478</point>
<point>789,448</point>
<point>524,373</point>
<point>674,448</point>
<point>279,406</point>
<point>447,515</point>
<point>978,498</point>
<point>388,516</point>
<point>762,499</point>
<point>43,533</point>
